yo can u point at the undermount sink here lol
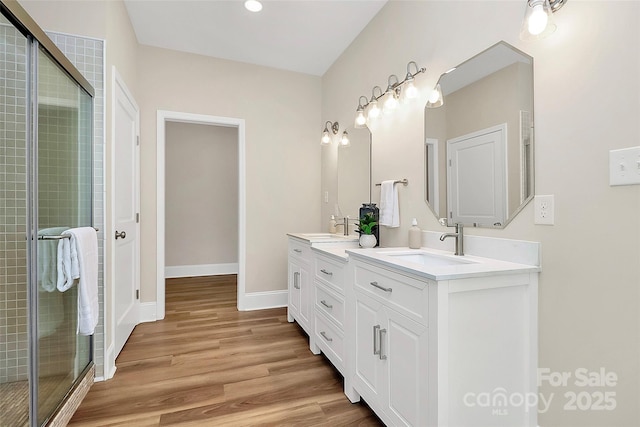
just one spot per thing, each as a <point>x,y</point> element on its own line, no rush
<point>425,258</point>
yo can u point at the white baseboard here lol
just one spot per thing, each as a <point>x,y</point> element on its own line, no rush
<point>171,272</point>
<point>109,364</point>
<point>263,300</point>
<point>147,312</point>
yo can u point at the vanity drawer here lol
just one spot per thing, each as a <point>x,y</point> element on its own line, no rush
<point>330,272</point>
<point>330,304</point>
<point>330,340</point>
<point>299,250</point>
<point>405,294</point>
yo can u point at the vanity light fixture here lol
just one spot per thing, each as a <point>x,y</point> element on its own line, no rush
<point>538,20</point>
<point>329,127</point>
<point>395,89</point>
<point>344,141</point>
<point>253,5</point>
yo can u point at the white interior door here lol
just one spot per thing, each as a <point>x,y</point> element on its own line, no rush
<point>476,168</point>
<point>126,260</point>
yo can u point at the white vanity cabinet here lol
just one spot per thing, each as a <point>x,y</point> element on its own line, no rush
<point>391,344</point>
<point>329,307</point>
<point>429,351</point>
<point>300,303</point>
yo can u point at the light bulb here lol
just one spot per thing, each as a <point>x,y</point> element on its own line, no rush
<point>361,120</point>
<point>391,103</point>
<point>253,5</point>
<point>374,110</point>
<point>326,138</point>
<point>344,141</point>
<point>410,91</point>
<point>537,20</point>
<point>434,96</point>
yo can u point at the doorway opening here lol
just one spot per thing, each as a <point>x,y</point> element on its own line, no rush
<point>166,122</point>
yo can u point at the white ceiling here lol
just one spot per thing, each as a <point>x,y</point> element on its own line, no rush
<point>306,36</point>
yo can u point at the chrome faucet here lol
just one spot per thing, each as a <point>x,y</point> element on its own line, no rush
<point>344,225</point>
<point>459,235</point>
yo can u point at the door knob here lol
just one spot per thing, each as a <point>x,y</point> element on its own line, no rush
<point>120,235</point>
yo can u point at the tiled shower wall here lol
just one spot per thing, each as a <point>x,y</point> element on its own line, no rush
<point>88,56</point>
<point>13,206</point>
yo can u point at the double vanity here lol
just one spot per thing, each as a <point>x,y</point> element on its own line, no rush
<point>426,338</point>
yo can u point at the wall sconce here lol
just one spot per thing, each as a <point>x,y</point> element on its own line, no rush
<point>332,127</point>
<point>538,18</point>
<point>395,89</point>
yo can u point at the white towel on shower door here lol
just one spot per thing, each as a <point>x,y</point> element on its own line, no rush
<point>389,212</point>
<point>47,259</point>
<point>85,241</point>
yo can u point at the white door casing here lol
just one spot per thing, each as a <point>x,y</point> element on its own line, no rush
<point>164,116</point>
<point>125,213</point>
<point>476,177</point>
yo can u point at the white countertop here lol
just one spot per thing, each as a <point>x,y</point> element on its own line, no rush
<point>473,266</point>
<point>339,254</point>
<point>324,237</point>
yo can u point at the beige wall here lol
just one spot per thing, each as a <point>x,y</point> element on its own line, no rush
<point>201,194</point>
<point>282,117</point>
<point>587,102</point>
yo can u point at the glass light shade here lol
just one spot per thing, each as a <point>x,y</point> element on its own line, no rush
<point>326,138</point>
<point>344,141</point>
<point>538,20</point>
<point>390,103</point>
<point>253,5</point>
<point>410,91</point>
<point>361,120</point>
<point>435,98</point>
<point>374,110</point>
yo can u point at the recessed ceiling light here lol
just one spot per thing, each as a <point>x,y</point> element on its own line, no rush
<point>253,5</point>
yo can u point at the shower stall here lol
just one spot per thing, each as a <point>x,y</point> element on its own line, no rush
<point>46,116</point>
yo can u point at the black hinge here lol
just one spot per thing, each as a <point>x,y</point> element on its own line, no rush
<point>137,139</point>
<point>137,293</point>
<point>137,218</point>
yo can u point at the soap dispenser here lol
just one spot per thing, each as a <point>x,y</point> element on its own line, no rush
<point>332,225</point>
<point>415,235</point>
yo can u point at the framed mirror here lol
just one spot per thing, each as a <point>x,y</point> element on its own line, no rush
<point>354,172</point>
<point>479,139</point>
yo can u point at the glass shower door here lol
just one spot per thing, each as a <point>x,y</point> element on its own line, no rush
<point>64,183</point>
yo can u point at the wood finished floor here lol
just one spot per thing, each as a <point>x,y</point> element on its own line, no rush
<point>206,364</point>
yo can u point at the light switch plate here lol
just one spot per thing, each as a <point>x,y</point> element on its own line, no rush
<point>543,210</point>
<point>624,166</point>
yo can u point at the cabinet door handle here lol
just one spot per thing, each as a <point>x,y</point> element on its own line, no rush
<point>328,273</point>
<point>376,330</point>
<point>296,280</point>
<point>297,251</point>
<point>324,335</point>
<point>382,355</point>
<point>375,285</point>
<point>329,306</point>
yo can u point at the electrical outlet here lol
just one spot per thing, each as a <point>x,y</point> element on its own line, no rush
<point>543,210</point>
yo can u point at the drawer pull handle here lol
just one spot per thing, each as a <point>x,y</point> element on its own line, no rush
<point>375,285</point>
<point>329,306</point>
<point>376,329</point>
<point>296,280</point>
<point>324,335</point>
<point>297,251</point>
<point>328,273</point>
<point>382,355</point>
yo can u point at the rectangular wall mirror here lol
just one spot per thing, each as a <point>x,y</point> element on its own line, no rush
<point>354,173</point>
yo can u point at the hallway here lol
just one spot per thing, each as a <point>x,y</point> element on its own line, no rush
<point>206,364</point>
